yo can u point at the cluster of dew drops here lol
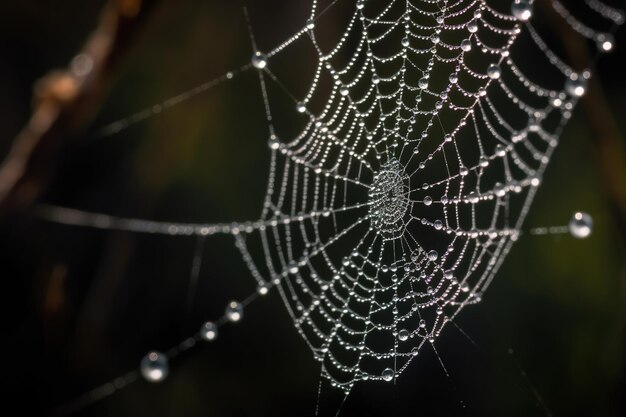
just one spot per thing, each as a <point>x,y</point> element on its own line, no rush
<point>154,366</point>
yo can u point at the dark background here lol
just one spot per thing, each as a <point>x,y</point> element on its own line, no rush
<point>81,307</point>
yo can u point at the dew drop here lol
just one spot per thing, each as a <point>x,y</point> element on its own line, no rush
<point>499,190</point>
<point>259,60</point>
<point>433,255</point>
<point>494,72</point>
<point>262,289</point>
<point>581,225</point>
<point>388,374</point>
<point>208,331</point>
<point>234,311</point>
<point>154,367</point>
<point>472,26</point>
<point>521,10</point>
<point>273,142</point>
<point>403,335</point>
<point>605,42</point>
<point>576,86</point>
<point>292,268</point>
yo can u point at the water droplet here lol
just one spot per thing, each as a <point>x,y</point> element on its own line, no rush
<point>154,367</point>
<point>273,142</point>
<point>234,311</point>
<point>535,181</point>
<point>605,42</point>
<point>576,86</point>
<point>581,225</point>
<point>262,289</point>
<point>521,10</point>
<point>428,200</point>
<point>375,79</point>
<point>423,83</point>
<point>403,335</point>
<point>472,26</point>
<point>388,374</point>
<point>292,268</point>
<point>259,60</point>
<point>344,91</point>
<point>405,41</point>
<point>466,45</point>
<point>494,72</point>
<point>499,190</point>
<point>300,107</point>
<point>433,255</point>
<point>310,24</point>
<point>208,331</point>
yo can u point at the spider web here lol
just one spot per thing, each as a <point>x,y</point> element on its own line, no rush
<point>423,144</point>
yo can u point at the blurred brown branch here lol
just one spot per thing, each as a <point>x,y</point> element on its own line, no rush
<point>64,100</point>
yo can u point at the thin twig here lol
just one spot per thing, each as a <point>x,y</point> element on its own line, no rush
<point>64,100</point>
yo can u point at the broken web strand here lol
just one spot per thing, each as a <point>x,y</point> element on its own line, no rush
<point>385,211</point>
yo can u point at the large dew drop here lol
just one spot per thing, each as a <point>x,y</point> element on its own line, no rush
<point>576,86</point>
<point>388,374</point>
<point>522,10</point>
<point>259,60</point>
<point>581,225</point>
<point>494,71</point>
<point>154,367</point>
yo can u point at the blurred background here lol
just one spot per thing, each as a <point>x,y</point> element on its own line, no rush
<point>83,306</point>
